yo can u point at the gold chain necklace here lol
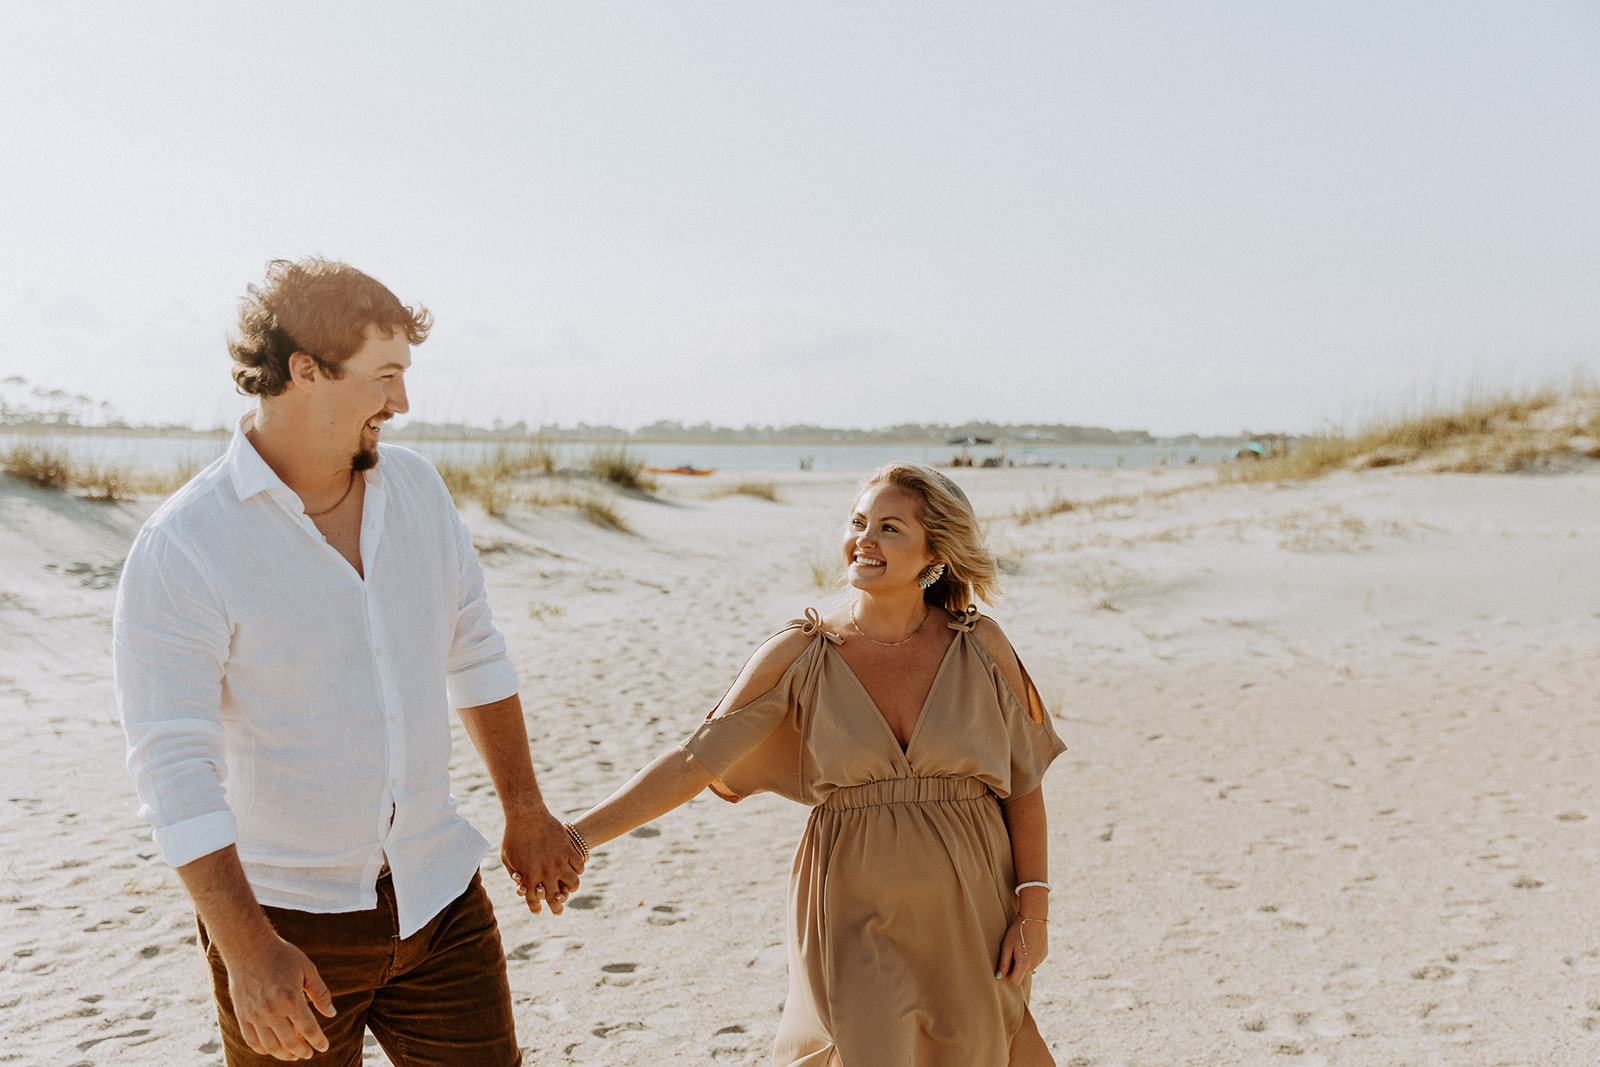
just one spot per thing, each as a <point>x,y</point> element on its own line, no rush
<point>341,500</point>
<point>856,626</point>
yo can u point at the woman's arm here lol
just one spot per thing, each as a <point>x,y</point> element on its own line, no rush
<point>675,777</point>
<point>666,782</point>
<point>1027,943</point>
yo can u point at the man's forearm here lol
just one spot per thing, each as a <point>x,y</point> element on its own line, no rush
<point>500,735</point>
<point>537,851</point>
<point>225,902</point>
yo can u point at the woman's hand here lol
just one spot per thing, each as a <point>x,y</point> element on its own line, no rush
<point>1026,945</point>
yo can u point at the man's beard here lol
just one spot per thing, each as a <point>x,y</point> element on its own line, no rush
<point>365,459</point>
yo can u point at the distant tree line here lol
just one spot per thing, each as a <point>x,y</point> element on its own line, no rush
<point>24,406</point>
<point>799,433</point>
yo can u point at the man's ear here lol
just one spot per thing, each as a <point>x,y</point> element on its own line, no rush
<point>303,370</point>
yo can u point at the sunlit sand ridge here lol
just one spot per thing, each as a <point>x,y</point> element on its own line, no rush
<point>1330,796</point>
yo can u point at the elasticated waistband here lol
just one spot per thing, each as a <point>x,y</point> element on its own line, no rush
<point>905,791</point>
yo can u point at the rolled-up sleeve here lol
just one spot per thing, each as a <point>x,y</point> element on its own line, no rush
<point>170,638</point>
<point>478,669</point>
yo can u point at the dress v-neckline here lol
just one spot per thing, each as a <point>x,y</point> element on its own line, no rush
<point>922,712</point>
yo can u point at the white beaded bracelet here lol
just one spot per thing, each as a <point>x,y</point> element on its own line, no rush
<point>1029,885</point>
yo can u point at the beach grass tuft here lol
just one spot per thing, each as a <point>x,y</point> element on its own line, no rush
<point>591,505</point>
<point>493,484</point>
<point>39,465</point>
<point>604,514</point>
<point>1056,505</point>
<point>52,468</point>
<point>621,467</point>
<point>109,483</point>
<point>168,481</point>
<point>759,490</point>
<point>1485,433</point>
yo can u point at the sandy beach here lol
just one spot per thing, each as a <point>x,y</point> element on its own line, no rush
<point>1332,794</point>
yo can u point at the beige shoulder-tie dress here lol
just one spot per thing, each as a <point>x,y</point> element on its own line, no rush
<point>903,887</point>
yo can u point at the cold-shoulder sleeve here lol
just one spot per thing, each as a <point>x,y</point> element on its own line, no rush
<point>760,747</point>
<point>1034,742</point>
<point>1013,757</point>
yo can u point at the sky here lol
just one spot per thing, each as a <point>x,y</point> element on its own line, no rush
<point>1184,218</point>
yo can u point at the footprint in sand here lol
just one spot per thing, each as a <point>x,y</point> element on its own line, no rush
<point>544,949</point>
<point>1300,1033</point>
<point>1351,981</point>
<point>729,1044</point>
<point>665,915</point>
<point>619,974</point>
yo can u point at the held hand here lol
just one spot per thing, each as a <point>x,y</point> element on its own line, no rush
<point>269,987</point>
<point>541,859</point>
<point>1025,947</point>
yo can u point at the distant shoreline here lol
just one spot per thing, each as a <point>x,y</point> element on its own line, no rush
<point>607,435</point>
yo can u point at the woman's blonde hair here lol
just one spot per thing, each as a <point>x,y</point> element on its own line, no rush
<point>954,536</point>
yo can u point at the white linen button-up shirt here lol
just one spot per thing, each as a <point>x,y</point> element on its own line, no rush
<point>275,700</point>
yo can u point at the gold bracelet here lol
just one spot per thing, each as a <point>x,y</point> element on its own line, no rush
<point>1022,930</point>
<point>577,840</point>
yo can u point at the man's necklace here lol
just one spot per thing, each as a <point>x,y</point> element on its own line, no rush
<point>341,500</point>
<point>856,626</point>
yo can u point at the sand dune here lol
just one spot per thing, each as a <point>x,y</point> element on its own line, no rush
<point>1331,796</point>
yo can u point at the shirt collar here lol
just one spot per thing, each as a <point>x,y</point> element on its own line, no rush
<point>249,471</point>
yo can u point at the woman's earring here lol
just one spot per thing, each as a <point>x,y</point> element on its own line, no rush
<point>930,574</point>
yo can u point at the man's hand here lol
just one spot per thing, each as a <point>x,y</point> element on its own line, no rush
<point>536,850</point>
<point>268,978</point>
<point>540,857</point>
<point>269,984</point>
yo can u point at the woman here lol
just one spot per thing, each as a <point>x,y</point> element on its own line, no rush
<point>919,895</point>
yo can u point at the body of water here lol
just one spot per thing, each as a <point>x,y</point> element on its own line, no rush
<point>156,452</point>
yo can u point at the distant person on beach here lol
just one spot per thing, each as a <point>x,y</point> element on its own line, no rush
<point>919,895</point>
<point>290,633</point>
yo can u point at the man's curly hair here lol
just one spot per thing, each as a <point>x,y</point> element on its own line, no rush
<point>319,307</point>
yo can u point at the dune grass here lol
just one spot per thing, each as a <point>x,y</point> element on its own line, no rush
<point>1503,432</point>
<point>621,467</point>
<point>39,465</point>
<point>108,483</point>
<point>759,490</point>
<point>47,467</point>
<point>492,483</point>
<point>1056,505</point>
<point>592,506</point>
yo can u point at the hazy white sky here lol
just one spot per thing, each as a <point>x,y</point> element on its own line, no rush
<point>1179,217</point>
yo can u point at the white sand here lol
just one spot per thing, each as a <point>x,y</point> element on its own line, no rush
<point>1331,796</point>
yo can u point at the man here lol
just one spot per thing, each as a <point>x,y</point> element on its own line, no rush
<point>291,629</point>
